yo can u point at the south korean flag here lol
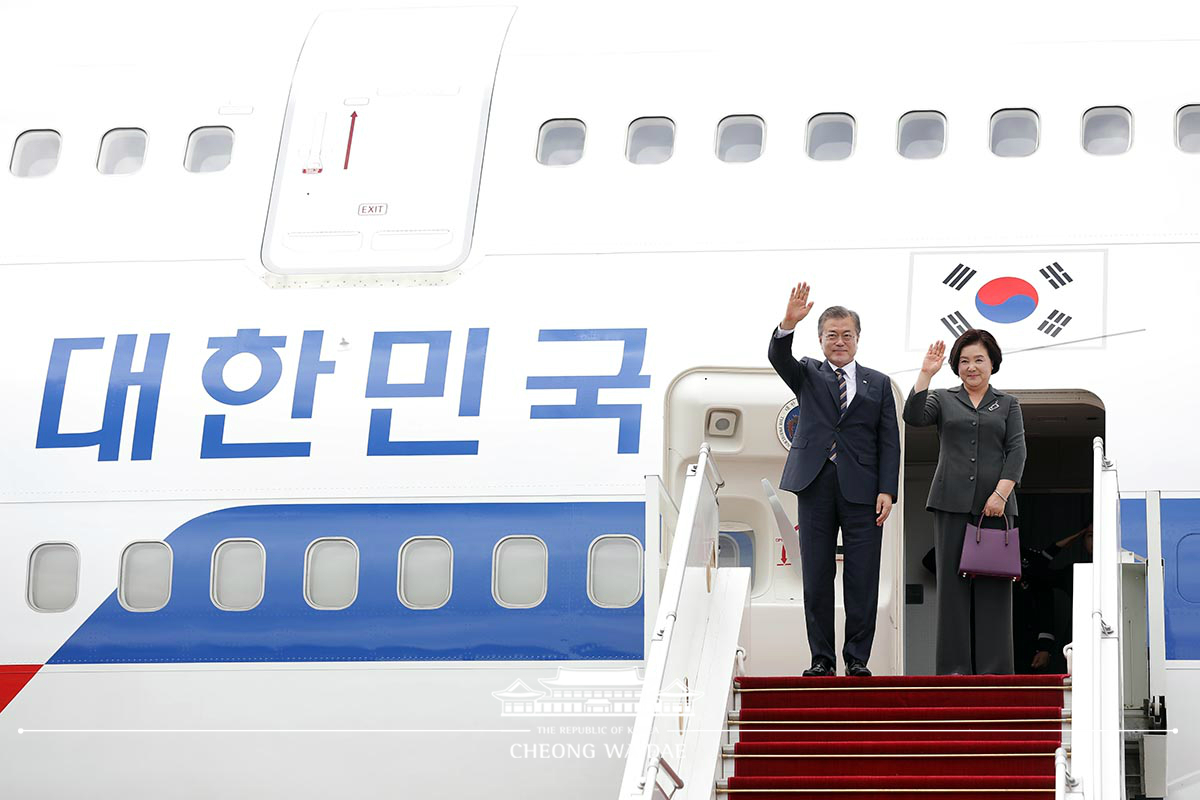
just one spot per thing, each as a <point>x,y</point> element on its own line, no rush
<point>1026,299</point>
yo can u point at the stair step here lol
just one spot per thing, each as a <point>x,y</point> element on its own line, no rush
<point>870,782</point>
<point>874,715</point>
<point>896,737</point>
<point>973,764</point>
<point>895,787</point>
<point>956,793</point>
<point>1050,732</point>
<point>824,695</point>
<point>900,681</point>
<point>939,747</point>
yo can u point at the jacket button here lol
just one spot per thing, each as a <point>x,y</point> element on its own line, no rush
<point>972,461</point>
<point>973,424</point>
<point>972,477</point>
<point>972,441</point>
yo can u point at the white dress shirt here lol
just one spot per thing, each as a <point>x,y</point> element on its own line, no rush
<point>851,369</point>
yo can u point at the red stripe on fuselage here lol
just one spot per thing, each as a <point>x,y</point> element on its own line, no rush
<point>13,680</point>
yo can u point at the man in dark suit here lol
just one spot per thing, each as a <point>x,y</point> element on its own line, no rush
<point>844,466</point>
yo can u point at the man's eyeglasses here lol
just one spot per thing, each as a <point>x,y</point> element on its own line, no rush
<point>832,337</point>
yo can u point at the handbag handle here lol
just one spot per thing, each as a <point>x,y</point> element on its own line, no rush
<point>979,529</point>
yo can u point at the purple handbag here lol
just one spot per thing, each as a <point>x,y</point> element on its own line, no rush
<point>991,552</point>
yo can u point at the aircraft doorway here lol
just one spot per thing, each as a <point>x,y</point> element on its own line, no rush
<point>743,414</point>
<point>1055,499</point>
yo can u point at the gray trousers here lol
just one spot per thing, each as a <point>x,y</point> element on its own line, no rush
<point>966,606</point>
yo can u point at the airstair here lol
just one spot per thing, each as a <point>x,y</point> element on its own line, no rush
<point>709,728</point>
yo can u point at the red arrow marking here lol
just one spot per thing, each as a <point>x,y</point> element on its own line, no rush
<point>350,141</point>
<point>13,680</point>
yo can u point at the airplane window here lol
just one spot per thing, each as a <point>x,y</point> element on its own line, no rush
<point>426,572</point>
<point>53,581</point>
<point>144,583</point>
<point>650,140</point>
<point>560,142</point>
<point>1187,129</point>
<point>35,153</point>
<point>740,139</point>
<point>1107,131</point>
<point>519,571</point>
<point>238,573</point>
<point>122,151</point>
<point>830,137</point>
<point>1014,132</point>
<point>209,150</point>
<point>735,548</point>
<point>921,134</point>
<point>331,574</point>
<point>615,571</point>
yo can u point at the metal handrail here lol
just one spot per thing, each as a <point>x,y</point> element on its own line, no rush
<point>661,638</point>
<point>1100,553</point>
<point>711,466</point>
<point>650,777</point>
<point>1104,684</point>
<point>1062,777</point>
<point>671,773</point>
<point>669,601</point>
<point>1099,562</point>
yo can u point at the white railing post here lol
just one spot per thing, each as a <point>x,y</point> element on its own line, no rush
<point>1097,626</point>
<point>1154,746</point>
<point>1156,622</point>
<point>691,652</point>
<point>1062,778</point>
<point>1103,720</point>
<point>661,518</point>
<point>641,767</point>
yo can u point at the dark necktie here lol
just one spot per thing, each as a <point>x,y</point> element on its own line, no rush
<point>841,373</point>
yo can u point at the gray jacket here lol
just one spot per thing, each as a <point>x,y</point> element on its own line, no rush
<point>979,447</point>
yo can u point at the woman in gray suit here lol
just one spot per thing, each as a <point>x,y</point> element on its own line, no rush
<point>981,458</point>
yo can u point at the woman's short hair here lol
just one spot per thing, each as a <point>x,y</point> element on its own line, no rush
<point>976,336</point>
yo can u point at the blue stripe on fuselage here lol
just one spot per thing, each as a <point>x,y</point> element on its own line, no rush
<point>1181,591</point>
<point>1133,525</point>
<point>471,626</point>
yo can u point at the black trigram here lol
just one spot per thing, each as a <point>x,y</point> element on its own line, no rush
<point>1053,324</point>
<point>959,277</point>
<point>1057,276</point>
<point>956,323</point>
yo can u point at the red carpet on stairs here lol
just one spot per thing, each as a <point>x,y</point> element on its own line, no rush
<point>898,738</point>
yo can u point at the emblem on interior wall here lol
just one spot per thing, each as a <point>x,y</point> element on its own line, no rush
<point>785,426</point>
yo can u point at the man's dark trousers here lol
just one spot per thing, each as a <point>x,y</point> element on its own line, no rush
<point>823,509</point>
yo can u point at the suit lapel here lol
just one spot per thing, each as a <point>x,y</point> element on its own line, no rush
<point>989,397</point>
<point>960,392</point>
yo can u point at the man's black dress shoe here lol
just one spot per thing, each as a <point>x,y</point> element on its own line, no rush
<point>857,669</point>
<point>821,669</point>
